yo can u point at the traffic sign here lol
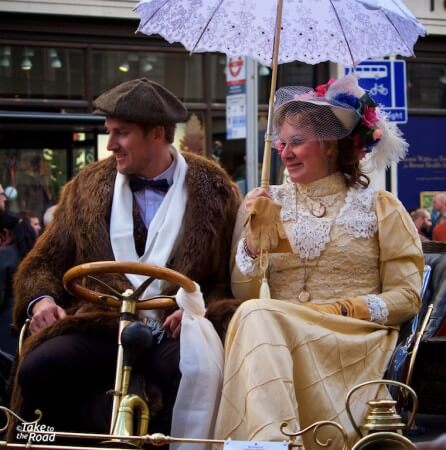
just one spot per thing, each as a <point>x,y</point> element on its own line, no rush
<point>236,98</point>
<point>385,80</point>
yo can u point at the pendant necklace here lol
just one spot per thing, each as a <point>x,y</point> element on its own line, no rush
<point>317,211</point>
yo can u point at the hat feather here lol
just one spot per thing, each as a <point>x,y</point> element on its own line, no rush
<point>392,147</point>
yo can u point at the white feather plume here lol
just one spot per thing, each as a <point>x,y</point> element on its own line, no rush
<point>392,147</point>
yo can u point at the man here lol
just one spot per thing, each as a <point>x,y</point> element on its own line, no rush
<point>146,203</point>
<point>438,208</point>
<point>423,222</point>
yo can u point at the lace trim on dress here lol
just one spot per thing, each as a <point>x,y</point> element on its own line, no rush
<point>246,264</point>
<point>357,216</point>
<point>378,308</point>
<point>310,235</point>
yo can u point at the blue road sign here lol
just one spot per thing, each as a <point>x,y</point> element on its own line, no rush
<point>386,82</point>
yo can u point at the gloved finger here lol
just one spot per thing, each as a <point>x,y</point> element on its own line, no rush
<point>254,194</point>
<point>273,237</point>
<point>281,231</point>
<point>254,237</point>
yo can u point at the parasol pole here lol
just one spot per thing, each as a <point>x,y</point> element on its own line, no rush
<point>266,164</point>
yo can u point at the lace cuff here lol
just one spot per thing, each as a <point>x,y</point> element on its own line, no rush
<point>378,308</point>
<point>246,264</point>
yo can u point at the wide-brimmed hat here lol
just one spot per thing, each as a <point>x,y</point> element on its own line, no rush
<point>141,100</point>
<point>338,109</point>
<point>338,118</point>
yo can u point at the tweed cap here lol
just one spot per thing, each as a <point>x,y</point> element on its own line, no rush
<point>141,100</point>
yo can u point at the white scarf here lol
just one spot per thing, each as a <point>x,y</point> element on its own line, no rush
<point>163,230</point>
<point>201,351</point>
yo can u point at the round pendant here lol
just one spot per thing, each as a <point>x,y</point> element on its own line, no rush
<point>319,210</point>
<point>304,297</point>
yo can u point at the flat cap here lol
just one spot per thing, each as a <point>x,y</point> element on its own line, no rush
<point>141,100</point>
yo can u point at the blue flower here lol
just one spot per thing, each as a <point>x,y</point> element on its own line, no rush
<point>347,99</point>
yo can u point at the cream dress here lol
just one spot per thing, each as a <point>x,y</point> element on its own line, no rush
<point>287,363</point>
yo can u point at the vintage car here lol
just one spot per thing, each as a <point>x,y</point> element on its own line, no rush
<point>416,375</point>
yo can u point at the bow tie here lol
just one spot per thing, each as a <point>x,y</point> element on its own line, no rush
<point>137,184</point>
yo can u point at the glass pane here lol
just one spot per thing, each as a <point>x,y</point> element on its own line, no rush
<point>218,77</point>
<point>190,136</point>
<point>84,151</point>
<point>231,154</point>
<point>181,74</point>
<point>38,72</point>
<point>426,85</point>
<point>290,74</point>
<point>37,174</point>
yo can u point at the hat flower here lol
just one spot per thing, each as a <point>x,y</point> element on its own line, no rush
<point>369,117</point>
<point>347,99</point>
<point>321,90</point>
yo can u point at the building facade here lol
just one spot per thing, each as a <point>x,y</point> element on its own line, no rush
<point>57,56</point>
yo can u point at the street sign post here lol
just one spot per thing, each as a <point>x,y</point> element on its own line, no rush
<point>236,98</point>
<point>385,80</point>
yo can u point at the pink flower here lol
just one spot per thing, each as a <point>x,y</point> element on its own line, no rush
<point>377,134</point>
<point>369,117</point>
<point>322,88</point>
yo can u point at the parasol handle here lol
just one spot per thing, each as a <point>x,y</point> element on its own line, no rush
<point>266,164</point>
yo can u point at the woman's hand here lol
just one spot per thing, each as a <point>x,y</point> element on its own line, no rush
<point>255,193</point>
<point>250,198</point>
<point>173,323</point>
<point>45,313</point>
<point>264,227</point>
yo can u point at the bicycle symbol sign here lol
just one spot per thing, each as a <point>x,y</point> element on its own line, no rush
<point>385,80</point>
<point>378,89</point>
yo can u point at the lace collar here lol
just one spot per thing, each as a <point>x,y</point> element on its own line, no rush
<point>354,212</point>
<point>331,185</point>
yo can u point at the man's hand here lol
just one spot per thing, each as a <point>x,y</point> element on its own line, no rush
<point>44,313</point>
<point>173,323</point>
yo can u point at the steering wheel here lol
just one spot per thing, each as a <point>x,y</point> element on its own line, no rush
<point>72,276</point>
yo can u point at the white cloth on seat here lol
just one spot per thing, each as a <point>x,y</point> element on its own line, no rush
<point>201,366</point>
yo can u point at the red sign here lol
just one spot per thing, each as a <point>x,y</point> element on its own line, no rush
<point>235,66</point>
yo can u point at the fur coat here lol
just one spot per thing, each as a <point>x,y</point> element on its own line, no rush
<point>79,234</point>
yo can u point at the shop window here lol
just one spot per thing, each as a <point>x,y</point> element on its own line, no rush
<point>37,173</point>
<point>289,74</point>
<point>190,136</point>
<point>295,73</point>
<point>231,154</point>
<point>180,73</point>
<point>84,151</point>
<point>217,67</point>
<point>426,85</point>
<point>37,176</point>
<point>41,72</point>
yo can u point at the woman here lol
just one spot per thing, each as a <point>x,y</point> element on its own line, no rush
<point>16,240</point>
<point>338,299</point>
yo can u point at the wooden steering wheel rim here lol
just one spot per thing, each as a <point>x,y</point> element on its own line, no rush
<point>74,288</point>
